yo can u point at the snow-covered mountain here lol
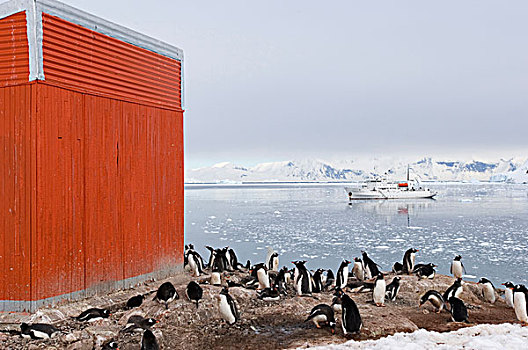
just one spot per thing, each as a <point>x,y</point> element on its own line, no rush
<point>503,170</point>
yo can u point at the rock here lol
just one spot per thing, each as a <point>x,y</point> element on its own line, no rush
<point>86,344</point>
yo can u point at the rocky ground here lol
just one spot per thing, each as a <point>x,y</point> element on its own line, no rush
<point>264,325</point>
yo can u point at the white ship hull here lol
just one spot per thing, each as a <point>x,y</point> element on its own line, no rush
<point>355,193</point>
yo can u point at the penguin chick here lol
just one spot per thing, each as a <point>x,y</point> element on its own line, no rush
<point>357,270</point>
<point>380,287</point>
<point>322,315</point>
<point>93,314</point>
<point>269,294</point>
<point>149,341</point>
<point>135,301</point>
<point>508,293</point>
<point>37,330</point>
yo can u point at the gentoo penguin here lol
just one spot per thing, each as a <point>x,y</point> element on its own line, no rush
<point>350,317</point>
<point>397,268</point>
<point>408,260</point>
<point>287,275</point>
<point>269,294</point>
<point>336,303</point>
<point>212,254</point>
<point>371,268</point>
<point>357,269</point>
<point>280,280</point>
<point>520,304</point>
<point>194,263</point>
<point>342,274</point>
<point>227,307</point>
<point>194,292</point>
<point>138,322</point>
<point>273,264</point>
<point>135,301</point>
<point>378,294</point>
<point>360,287</point>
<point>109,345</point>
<point>454,290</point>
<point>233,260</point>
<point>37,330</point>
<point>458,310</point>
<point>434,298</point>
<point>261,272</point>
<point>393,288</point>
<point>93,314</point>
<point>166,293</point>
<point>322,315</point>
<point>317,279</point>
<point>488,290</point>
<point>302,280</point>
<point>508,293</point>
<point>330,279</point>
<point>425,270</point>
<point>149,341</point>
<point>457,268</point>
<point>216,277</point>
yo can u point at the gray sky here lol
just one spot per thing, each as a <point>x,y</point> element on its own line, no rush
<point>276,80</point>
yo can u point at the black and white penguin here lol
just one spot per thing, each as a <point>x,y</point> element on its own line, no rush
<point>269,294</point>
<point>166,293</point>
<point>280,281</point>
<point>425,271</point>
<point>508,293</point>
<point>195,263</point>
<point>488,290</point>
<point>454,290</point>
<point>322,315</point>
<point>371,268</point>
<point>458,310</point>
<point>149,341</point>
<point>457,268</point>
<point>357,270</point>
<point>93,314</point>
<point>330,279</point>
<point>378,294</point>
<point>135,301</point>
<point>138,322</point>
<point>336,302</point>
<point>194,292</point>
<point>233,260</point>
<point>520,303</point>
<point>227,307</point>
<point>216,277</point>
<point>273,263</point>
<point>434,298</point>
<point>342,274</point>
<point>360,286</point>
<point>37,330</point>
<point>288,275</point>
<point>302,280</point>
<point>397,268</point>
<point>409,259</point>
<point>109,345</point>
<point>393,288</point>
<point>317,280</point>
<point>350,318</point>
<point>261,273</point>
<point>212,254</point>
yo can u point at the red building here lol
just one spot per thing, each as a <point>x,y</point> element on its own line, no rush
<point>91,155</point>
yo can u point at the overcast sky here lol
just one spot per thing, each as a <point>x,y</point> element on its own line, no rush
<point>277,80</point>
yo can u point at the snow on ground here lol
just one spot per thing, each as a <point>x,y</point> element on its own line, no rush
<point>481,337</point>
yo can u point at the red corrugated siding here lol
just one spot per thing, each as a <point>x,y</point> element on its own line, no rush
<point>14,50</point>
<point>84,59</point>
<point>15,205</point>
<point>109,191</point>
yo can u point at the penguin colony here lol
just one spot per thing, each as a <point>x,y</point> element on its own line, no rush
<point>272,282</point>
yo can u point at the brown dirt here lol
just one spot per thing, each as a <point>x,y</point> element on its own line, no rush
<point>266,325</point>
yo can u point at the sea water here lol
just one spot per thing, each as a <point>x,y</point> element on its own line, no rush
<point>487,224</point>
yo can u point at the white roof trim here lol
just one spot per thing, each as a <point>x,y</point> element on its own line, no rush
<point>34,10</point>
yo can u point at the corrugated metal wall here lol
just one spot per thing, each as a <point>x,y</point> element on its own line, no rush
<point>14,52</point>
<point>91,165</point>
<point>84,59</point>
<point>15,205</point>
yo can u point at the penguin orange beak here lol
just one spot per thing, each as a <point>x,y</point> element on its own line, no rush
<point>332,330</point>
